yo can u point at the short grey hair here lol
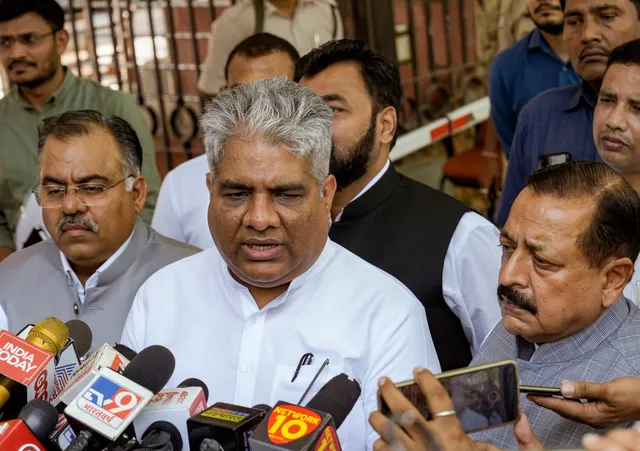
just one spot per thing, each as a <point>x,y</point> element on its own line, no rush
<point>73,124</point>
<point>283,111</point>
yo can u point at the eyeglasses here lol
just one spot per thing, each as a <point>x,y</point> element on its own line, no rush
<point>89,194</point>
<point>27,39</point>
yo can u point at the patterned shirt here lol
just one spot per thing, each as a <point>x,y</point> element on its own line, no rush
<point>607,349</point>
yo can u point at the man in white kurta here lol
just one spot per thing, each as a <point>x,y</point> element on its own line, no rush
<point>242,314</point>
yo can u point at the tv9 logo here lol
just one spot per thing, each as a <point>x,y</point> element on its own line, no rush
<point>108,402</point>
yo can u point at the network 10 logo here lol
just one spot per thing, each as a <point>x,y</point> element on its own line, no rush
<point>108,402</point>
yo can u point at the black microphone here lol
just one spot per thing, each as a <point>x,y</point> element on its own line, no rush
<point>195,382</point>
<point>35,422</point>
<point>295,428</point>
<point>126,351</point>
<point>81,335</point>
<point>105,409</point>
<point>161,436</point>
<point>224,427</point>
<point>174,406</point>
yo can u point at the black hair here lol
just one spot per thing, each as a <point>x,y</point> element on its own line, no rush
<point>49,10</point>
<point>627,54</point>
<point>613,231</point>
<point>380,74</point>
<point>73,124</point>
<point>262,44</point>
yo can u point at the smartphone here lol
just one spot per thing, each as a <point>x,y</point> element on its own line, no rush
<point>540,391</point>
<point>484,396</point>
<point>551,159</point>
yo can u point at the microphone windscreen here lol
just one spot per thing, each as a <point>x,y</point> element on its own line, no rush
<point>40,417</point>
<point>162,426</point>
<point>126,351</point>
<point>264,407</point>
<point>337,397</point>
<point>195,382</point>
<point>152,368</point>
<point>81,334</point>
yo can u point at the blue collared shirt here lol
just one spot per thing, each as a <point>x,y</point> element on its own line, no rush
<point>559,120</point>
<point>520,73</point>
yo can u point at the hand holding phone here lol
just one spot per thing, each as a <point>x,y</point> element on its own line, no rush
<point>484,396</point>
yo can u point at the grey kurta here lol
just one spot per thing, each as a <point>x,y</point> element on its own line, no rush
<point>607,349</point>
<point>33,284</point>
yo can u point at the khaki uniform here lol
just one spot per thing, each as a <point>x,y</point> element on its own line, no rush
<point>500,24</point>
<point>315,22</point>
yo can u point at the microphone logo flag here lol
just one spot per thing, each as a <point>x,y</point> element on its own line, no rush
<point>328,440</point>
<point>63,375</point>
<point>108,402</point>
<point>288,423</point>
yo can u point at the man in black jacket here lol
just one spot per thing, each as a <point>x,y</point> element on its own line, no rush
<point>447,255</point>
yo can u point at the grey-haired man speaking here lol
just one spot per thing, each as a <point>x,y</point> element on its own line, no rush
<point>241,315</point>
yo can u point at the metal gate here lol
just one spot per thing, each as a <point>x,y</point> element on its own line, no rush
<point>153,49</point>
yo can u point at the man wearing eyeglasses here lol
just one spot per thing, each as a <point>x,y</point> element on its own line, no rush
<point>91,192</point>
<point>32,41</point>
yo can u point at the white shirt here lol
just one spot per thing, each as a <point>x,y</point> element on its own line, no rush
<point>181,209</point>
<point>92,282</point>
<point>470,272</point>
<point>471,265</point>
<point>363,320</point>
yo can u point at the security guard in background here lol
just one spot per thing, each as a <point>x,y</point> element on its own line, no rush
<point>304,23</point>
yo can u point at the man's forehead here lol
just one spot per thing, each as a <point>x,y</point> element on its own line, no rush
<point>246,68</point>
<point>343,78</point>
<point>27,23</point>
<point>593,5</point>
<point>611,82</point>
<point>96,151</point>
<point>259,160</point>
<point>546,218</point>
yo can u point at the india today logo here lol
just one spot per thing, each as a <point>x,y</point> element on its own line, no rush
<point>108,402</point>
<point>20,360</point>
<point>288,423</point>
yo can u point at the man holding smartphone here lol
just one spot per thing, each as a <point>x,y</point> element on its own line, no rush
<point>446,432</point>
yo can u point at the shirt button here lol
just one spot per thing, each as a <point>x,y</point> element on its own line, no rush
<point>246,368</point>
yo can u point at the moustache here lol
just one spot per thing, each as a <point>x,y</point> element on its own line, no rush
<point>21,61</point>
<point>593,47</point>
<point>609,131</point>
<point>547,5</point>
<point>78,220</point>
<point>512,296</point>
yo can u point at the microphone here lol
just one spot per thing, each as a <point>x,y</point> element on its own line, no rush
<point>78,344</point>
<point>35,422</point>
<point>224,427</point>
<point>292,427</point>
<point>104,357</point>
<point>175,406</point>
<point>27,364</point>
<point>81,334</point>
<point>110,402</point>
<point>162,435</point>
<point>126,351</point>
